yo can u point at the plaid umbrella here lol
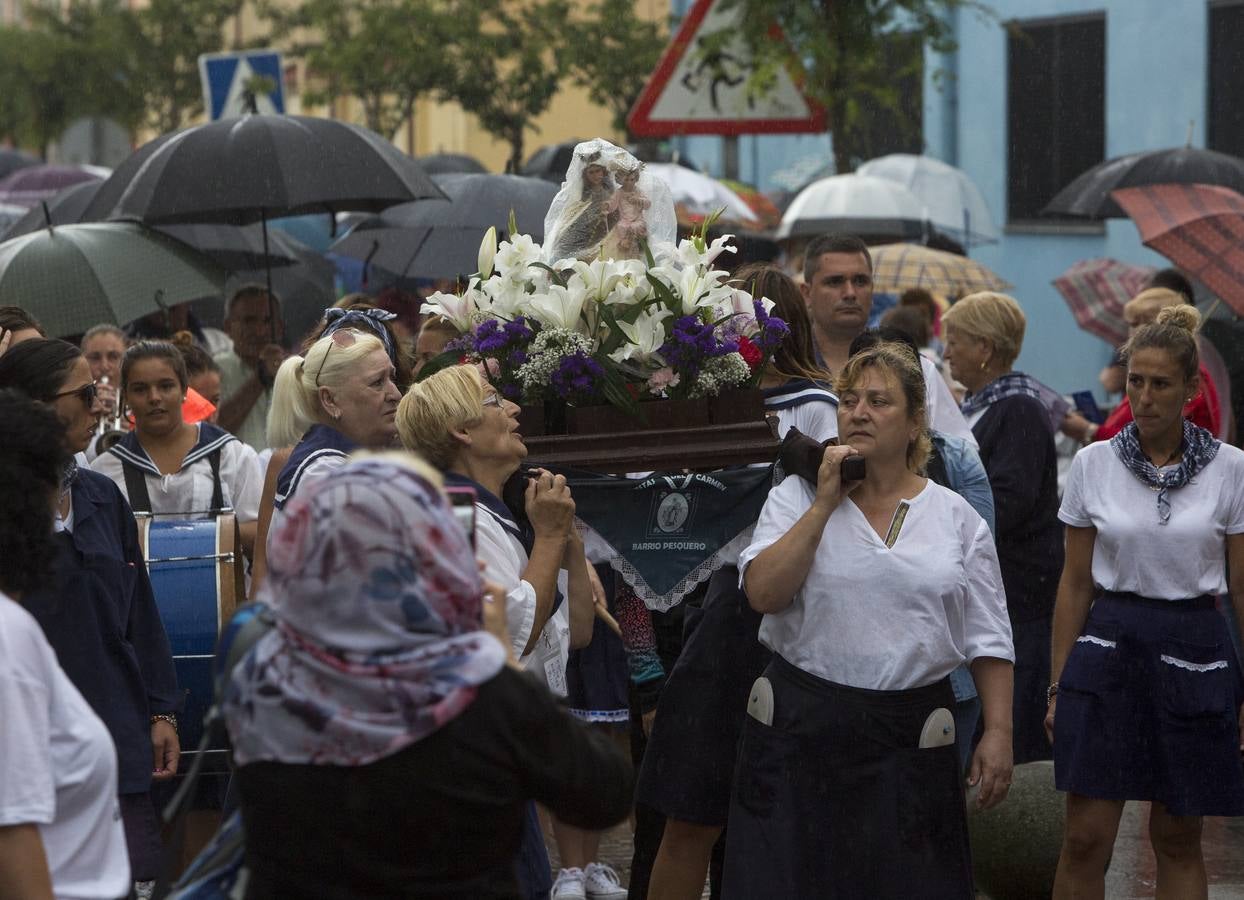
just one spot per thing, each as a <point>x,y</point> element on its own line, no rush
<point>897,267</point>
<point>1095,291</point>
<point>1198,227</point>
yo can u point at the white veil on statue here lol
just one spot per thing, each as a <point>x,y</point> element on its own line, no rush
<point>603,207</point>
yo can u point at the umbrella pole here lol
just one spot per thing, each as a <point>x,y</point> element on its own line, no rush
<point>267,265</point>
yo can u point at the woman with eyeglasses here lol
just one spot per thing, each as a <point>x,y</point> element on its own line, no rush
<point>100,614</point>
<point>168,465</point>
<point>338,398</point>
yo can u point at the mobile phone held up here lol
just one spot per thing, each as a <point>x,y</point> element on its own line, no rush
<point>853,469</point>
<point>462,499</point>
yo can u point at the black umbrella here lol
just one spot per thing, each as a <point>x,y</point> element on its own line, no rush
<point>452,163</point>
<point>65,208</point>
<point>551,161</point>
<point>237,247</point>
<point>12,160</point>
<point>257,167</point>
<point>439,239</point>
<point>1089,195</point>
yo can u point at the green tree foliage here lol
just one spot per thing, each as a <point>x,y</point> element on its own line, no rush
<point>511,64</point>
<point>612,52</point>
<point>384,53</point>
<point>857,55</point>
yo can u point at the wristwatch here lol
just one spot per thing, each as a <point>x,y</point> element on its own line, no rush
<point>165,717</point>
<point>1050,693</point>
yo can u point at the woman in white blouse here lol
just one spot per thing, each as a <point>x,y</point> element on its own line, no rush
<point>1147,691</point>
<point>873,591</point>
<point>169,466</point>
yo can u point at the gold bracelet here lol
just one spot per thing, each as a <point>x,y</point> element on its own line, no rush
<point>165,717</point>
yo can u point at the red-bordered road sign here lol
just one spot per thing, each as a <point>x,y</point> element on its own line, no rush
<point>707,93</point>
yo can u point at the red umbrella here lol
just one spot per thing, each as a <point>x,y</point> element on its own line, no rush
<point>1095,291</point>
<point>1198,227</point>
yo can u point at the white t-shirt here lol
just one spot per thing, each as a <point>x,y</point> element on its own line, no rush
<point>190,489</point>
<point>58,766</point>
<point>504,561</point>
<point>939,402</point>
<point>1132,553</point>
<point>892,618</point>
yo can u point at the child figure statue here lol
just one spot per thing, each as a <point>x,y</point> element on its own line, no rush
<point>626,209</point>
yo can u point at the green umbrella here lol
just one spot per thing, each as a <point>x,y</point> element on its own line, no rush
<point>74,276</point>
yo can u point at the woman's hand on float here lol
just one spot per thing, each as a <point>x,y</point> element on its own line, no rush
<point>992,766</point>
<point>550,508</point>
<point>830,488</point>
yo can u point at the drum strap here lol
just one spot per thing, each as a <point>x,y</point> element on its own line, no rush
<point>140,500</point>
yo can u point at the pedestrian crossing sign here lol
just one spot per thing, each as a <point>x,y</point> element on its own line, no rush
<point>237,83</point>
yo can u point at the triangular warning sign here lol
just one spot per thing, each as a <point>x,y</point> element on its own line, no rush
<point>693,92</point>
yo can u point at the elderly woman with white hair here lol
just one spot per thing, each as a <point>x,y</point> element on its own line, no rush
<point>339,398</point>
<point>984,333</point>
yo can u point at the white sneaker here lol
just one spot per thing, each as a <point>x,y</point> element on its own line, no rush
<point>601,883</point>
<point>569,885</point>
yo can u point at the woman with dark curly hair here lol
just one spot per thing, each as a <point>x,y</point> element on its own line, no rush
<point>100,614</point>
<point>60,830</point>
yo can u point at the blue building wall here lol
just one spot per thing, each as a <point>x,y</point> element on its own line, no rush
<point>1156,71</point>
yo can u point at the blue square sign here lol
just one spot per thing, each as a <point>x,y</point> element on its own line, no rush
<point>230,81</point>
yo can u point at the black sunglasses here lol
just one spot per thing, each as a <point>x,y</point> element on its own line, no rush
<point>87,394</point>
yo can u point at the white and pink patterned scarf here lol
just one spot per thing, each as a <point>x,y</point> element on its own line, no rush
<point>379,642</point>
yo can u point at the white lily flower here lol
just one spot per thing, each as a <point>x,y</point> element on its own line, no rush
<point>458,310</point>
<point>487,251</point>
<point>599,276</point>
<point>644,337</point>
<point>506,296</point>
<point>696,289</point>
<point>515,256</point>
<point>561,307</point>
<point>633,286</point>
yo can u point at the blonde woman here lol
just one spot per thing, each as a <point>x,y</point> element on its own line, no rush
<point>873,591</point>
<point>984,333</point>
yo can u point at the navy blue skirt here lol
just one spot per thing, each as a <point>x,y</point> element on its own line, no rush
<point>597,675</point>
<point>688,765</point>
<point>1147,707</point>
<point>836,800</point>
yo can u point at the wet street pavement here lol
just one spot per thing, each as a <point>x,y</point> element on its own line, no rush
<point>1131,875</point>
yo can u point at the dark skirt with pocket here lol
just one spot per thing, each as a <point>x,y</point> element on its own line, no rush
<point>688,766</point>
<point>1148,706</point>
<point>836,799</point>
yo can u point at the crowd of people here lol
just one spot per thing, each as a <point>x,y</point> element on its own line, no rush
<point>867,667</point>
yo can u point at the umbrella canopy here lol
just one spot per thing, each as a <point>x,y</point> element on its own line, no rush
<point>12,160</point>
<point>451,164</point>
<point>1089,195</point>
<point>244,170</point>
<point>76,276</point>
<point>63,208</point>
<point>952,201</point>
<point>699,194</point>
<point>1198,227</point>
<point>440,239</point>
<point>760,203</point>
<point>31,184</point>
<point>859,204</point>
<point>236,247</point>
<point>551,161</point>
<point>9,216</point>
<point>899,267</point>
<point>1095,291</point>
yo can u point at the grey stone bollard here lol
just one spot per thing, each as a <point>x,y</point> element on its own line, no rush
<point>1015,845</point>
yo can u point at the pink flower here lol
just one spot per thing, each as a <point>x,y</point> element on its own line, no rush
<point>662,379</point>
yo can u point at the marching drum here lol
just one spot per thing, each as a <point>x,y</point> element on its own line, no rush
<point>196,570</point>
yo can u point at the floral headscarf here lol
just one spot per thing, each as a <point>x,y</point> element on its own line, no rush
<point>378,643</point>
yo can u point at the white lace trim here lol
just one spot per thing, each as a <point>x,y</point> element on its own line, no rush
<point>599,550</point>
<point>1193,667</point>
<point>1093,639</point>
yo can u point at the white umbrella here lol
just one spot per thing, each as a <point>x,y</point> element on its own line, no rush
<point>952,201</point>
<point>858,204</point>
<point>700,194</point>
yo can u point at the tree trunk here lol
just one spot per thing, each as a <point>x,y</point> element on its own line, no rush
<point>515,162</point>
